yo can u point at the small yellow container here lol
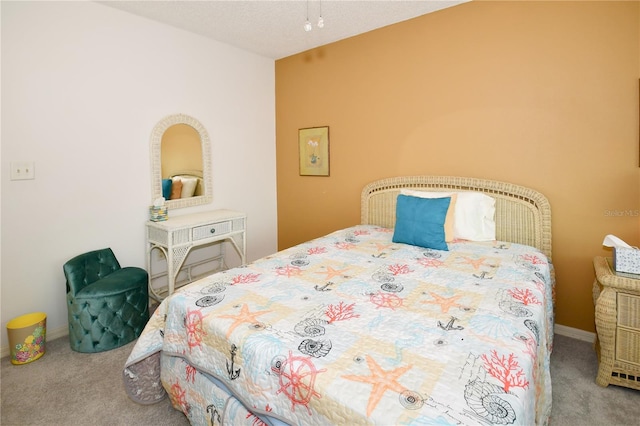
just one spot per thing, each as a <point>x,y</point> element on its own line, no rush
<point>27,337</point>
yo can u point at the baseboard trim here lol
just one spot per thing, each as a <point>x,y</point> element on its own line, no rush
<point>50,335</point>
<point>574,333</point>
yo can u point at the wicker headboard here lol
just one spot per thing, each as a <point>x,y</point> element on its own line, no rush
<point>523,215</point>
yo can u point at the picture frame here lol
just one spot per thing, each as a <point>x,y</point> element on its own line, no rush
<point>313,151</point>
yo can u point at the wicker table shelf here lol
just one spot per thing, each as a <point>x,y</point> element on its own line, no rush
<point>176,236</point>
<point>617,303</point>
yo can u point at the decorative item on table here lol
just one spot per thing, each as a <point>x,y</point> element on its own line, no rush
<point>626,258</point>
<point>158,211</point>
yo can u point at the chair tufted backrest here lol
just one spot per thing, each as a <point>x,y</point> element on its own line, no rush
<point>88,268</point>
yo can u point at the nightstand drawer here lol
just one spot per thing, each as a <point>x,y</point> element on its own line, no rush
<point>629,311</point>
<point>628,346</point>
<point>211,230</point>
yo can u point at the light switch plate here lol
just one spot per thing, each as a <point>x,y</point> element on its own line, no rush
<point>23,170</point>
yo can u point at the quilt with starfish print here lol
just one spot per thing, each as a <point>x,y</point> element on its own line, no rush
<point>352,328</point>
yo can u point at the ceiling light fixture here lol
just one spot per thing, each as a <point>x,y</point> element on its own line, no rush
<point>320,19</point>
<point>307,24</point>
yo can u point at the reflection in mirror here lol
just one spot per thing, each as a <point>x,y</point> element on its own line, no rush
<point>180,162</point>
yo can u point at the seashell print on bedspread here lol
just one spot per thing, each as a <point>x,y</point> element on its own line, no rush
<point>354,329</point>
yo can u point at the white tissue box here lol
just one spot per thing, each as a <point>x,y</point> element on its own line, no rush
<point>626,260</point>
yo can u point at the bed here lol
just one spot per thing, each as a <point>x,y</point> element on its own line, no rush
<point>366,325</point>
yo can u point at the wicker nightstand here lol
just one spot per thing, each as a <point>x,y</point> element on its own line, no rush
<point>617,301</point>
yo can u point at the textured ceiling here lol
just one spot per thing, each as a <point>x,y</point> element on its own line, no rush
<point>275,28</point>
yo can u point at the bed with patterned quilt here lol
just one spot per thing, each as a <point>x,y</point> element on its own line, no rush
<point>436,309</point>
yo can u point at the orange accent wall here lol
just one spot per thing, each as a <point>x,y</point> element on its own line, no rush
<point>542,94</point>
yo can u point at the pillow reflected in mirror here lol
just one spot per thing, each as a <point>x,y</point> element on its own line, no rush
<point>176,188</point>
<point>191,185</point>
<point>188,186</point>
<point>166,188</point>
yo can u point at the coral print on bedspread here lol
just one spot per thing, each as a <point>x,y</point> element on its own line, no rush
<point>352,328</point>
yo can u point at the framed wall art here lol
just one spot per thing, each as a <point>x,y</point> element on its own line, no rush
<point>313,149</point>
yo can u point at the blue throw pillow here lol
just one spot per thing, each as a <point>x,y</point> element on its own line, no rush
<point>166,188</point>
<point>420,221</point>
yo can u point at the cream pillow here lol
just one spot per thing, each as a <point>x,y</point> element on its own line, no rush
<point>449,234</point>
<point>475,217</point>
<point>188,186</point>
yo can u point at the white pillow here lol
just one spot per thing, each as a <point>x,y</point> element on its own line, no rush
<point>188,185</point>
<point>474,218</point>
<point>474,213</point>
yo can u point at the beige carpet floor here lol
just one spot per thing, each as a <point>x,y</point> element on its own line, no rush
<point>69,388</point>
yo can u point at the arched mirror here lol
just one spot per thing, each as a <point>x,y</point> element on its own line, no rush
<point>181,162</point>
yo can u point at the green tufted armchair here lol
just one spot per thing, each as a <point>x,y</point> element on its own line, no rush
<point>107,306</point>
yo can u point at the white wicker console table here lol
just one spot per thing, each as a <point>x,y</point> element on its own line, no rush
<point>176,236</point>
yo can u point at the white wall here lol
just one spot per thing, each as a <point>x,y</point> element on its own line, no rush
<point>82,87</point>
